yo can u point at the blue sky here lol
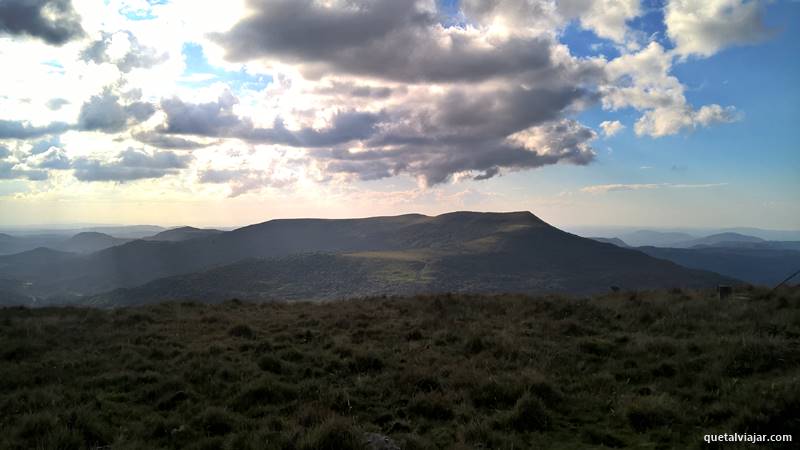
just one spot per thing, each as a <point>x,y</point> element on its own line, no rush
<point>615,112</point>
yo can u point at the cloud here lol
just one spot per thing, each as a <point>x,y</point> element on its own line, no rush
<point>14,129</point>
<point>105,113</point>
<point>11,171</point>
<point>610,128</point>
<point>605,188</point>
<point>666,121</point>
<point>53,21</point>
<point>642,80</point>
<point>242,181</point>
<point>390,39</point>
<point>607,18</point>
<point>56,103</point>
<point>217,119</point>
<point>54,158</point>
<point>45,145</point>
<point>704,27</point>
<point>432,163</point>
<point>131,165</point>
<point>4,152</point>
<point>166,142</point>
<point>124,50</point>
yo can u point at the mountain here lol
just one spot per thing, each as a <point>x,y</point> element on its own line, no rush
<point>89,242</point>
<point>10,245</point>
<point>318,258</point>
<point>183,234</point>
<point>719,240</point>
<point>614,241</point>
<point>655,238</point>
<point>754,265</point>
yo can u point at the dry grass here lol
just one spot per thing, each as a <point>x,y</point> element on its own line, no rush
<point>644,370</point>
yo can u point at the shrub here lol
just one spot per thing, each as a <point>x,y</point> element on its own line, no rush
<point>242,331</point>
<point>335,433</point>
<point>646,413</point>
<point>495,395</point>
<point>216,421</point>
<point>271,364</point>
<point>432,406</point>
<point>529,414</point>
<point>364,363</point>
<point>264,391</point>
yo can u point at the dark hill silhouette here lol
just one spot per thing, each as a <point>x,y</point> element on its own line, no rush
<point>456,251</point>
<point>183,234</point>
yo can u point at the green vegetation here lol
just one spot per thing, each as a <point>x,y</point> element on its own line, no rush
<point>645,370</point>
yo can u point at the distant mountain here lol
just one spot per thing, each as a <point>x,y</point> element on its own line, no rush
<point>755,265</point>
<point>10,245</point>
<point>89,242</point>
<point>614,241</point>
<point>315,258</point>
<point>655,238</point>
<point>719,240</point>
<point>183,234</point>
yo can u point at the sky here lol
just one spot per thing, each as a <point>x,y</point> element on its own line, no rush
<point>667,113</point>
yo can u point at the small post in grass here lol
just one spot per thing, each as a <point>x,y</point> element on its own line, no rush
<point>724,291</point>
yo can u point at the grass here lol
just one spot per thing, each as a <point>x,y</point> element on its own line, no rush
<point>647,370</point>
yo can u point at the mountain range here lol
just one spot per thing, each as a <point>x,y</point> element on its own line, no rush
<point>326,259</point>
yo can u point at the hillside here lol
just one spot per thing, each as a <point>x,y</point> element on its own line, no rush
<point>475,252</point>
<point>760,266</point>
<point>626,370</point>
<point>89,242</point>
<point>720,240</point>
<point>182,234</point>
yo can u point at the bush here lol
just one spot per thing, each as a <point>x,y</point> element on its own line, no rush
<point>529,414</point>
<point>646,413</point>
<point>215,421</point>
<point>265,391</point>
<point>242,331</point>
<point>432,406</point>
<point>335,433</point>
<point>271,364</point>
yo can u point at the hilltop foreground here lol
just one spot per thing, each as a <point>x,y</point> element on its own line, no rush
<point>644,370</point>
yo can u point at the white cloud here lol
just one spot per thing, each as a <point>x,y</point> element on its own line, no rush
<point>610,128</point>
<point>704,27</point>
<point>605,188</point>
<point>643,80</point>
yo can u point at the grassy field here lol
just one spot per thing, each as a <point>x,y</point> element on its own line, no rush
<point>643,370</point>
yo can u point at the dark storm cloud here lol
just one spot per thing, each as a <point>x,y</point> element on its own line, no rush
<point>105,113</point>
<point>139,56</point>
<point>390,39</point>
<point>9,171</point>
<point>167,142</point>
<point>53,21</point>
<point>14,129</point>
<point>217,119</point>
<point>131,165</point>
